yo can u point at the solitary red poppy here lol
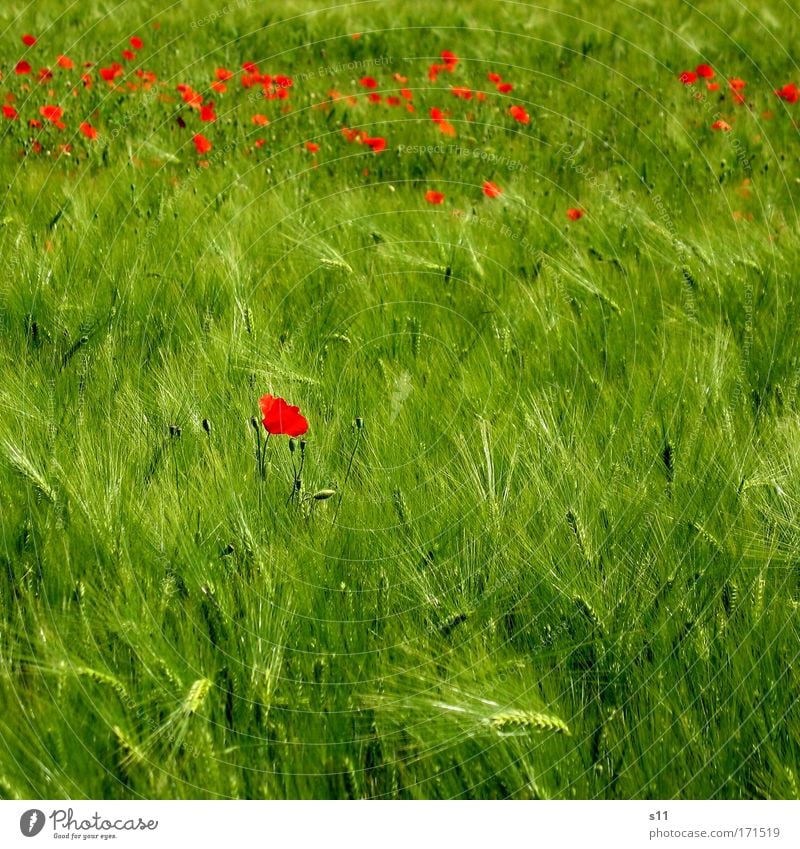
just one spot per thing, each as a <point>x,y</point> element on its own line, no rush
<point>136,42</point>
<point>504,88</point>
<point>491,190</point>
<point>29,40</point>
<point>10,112</point>
<point>201,143</point>
<point>722,126</point>
<point>22,67</point>
<point>282,418</point>
<point>574,214</point>
<point>434,197</point>
<point>65,62</point>
<point>311,147</point>
<point>705,71</point>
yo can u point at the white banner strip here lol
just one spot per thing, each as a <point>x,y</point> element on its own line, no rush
<point>417,825</point>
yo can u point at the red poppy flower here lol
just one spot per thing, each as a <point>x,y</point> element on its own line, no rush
<point>368,82</point>
<point>280,418</point>
<point>207,113</point>
<point>495,78</point>
<point>128,55</point>
<point>400,78</point>
<point>461,91</point>
<point>311,147</point>
<point>281,81</point>
<point>504,88</point>
<point>136,43</point>
<point>260,120</point>
<point>65,62</point>
<point>219,87</point>
<point>10,112</point>
<point>736,84</point>
<point>51,113</point>
<point>223,74</point>
<point>28,40</point>
<point>22,67</point>
<point>705,71</point>
<point>406,94</point>
<point>722,126</point>
<point>491,190</point>
<point>88,130</point>
<point>450,59</point>
<point>434,197</point>
<point>688,77</point>
<point>112,72</point>
<point>45,75</point>
<point>575,214</point>
<point>377,144</point>
<point>789,93</point>
<point>374,97</point>
<point>250,67</point>
<point>518,113</point>
<point>712,86</point>
<point>201,143</point>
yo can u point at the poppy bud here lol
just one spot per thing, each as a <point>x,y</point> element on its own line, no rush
<point>302,446</point>
<point>359,422</point>
<point>174,431</point>
<point>324,494</point>
<point>292,444</point>
<point>207,426</point>
<point>254,423</point>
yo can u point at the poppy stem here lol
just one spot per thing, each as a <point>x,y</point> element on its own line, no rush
<point>359,426</point>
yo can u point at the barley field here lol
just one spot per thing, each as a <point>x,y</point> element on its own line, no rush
<point>529,272</point>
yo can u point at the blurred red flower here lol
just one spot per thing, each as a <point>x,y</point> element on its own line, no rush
<point>688,77</point>
<point>575,214</point>
<point>311,147</point>
<point>28,40</point>
<point>280,418</point>
<point>518,113</point>
<point>65,62</point>
<point>434,197</point>
<point>22,67</point>
<point>368,82</point>
<point>789,93</point>
<point>491,190</point>
<point>136,43</point>
<point>51,113</point>
<point>201,143</point>
<point>705,71</point>
<point>722,126</point>
<point>10,112</point>
<point>377,144</point>
<point>88,130</point>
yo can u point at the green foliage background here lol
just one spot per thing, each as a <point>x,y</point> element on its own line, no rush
<point>565,560</point>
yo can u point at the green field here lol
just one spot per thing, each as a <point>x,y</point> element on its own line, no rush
<point>562,559</point>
